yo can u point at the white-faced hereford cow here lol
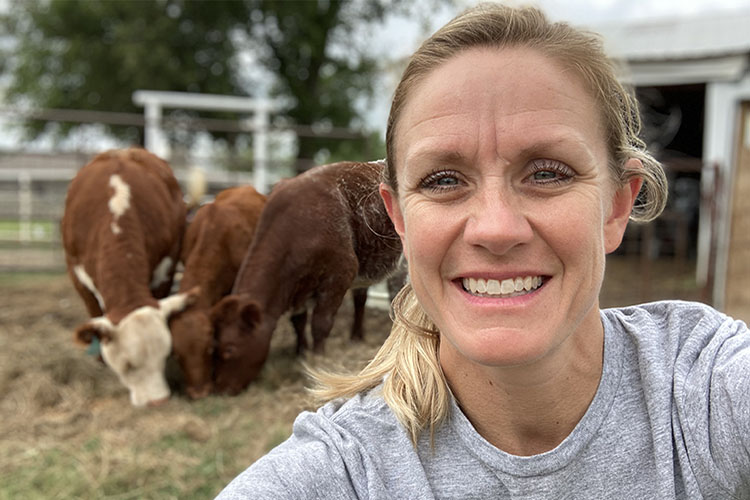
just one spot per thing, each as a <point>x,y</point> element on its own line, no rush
<point>122,228</point>
<point>215,244</point>
<point>320,234</point>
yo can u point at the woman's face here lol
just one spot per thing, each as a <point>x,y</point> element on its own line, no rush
<point>505,204</point>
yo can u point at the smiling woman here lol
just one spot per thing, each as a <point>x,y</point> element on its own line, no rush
<point>514,165</point>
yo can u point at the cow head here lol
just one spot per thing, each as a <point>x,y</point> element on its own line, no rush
<point>193,346</point>
<point>137,347</point>
<point>241,344</point>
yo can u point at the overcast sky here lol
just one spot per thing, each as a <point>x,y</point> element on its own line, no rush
<point>404,37</point>
<point>586,11</point>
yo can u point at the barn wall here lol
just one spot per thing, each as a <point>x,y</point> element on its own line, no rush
<point>738,266</point>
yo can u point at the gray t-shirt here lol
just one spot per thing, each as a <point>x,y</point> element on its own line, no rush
<point>670,419</point>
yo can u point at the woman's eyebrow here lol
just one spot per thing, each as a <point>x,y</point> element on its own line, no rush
<point>550,142</point>
<point>436,156</point>
<point>439,154</point>
<point>568,144</point>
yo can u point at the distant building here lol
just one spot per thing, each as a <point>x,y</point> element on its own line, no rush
<point>692,76</point>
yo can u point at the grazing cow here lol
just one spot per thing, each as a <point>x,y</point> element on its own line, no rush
<point>122,228</point>
<point>321,233</point>
<point>215,243</point>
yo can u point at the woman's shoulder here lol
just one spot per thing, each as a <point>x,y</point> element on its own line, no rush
<point>664,309</point>
<point>678,317</point>
<point>365,416</point>
<point>685,338</point>
<point>336,452</point>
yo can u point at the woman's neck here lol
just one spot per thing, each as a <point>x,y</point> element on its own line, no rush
<point>530,409</point>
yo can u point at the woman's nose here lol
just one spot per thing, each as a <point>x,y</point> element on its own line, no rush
<point>498,222</point>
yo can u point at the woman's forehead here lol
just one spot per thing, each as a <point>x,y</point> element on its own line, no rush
<point>515,97</point>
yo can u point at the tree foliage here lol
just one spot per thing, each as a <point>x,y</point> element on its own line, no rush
<point>304,44</point>
<point>80,54</point>
<point>92,55</point>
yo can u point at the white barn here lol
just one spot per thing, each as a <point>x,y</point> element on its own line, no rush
<point>696,72</point>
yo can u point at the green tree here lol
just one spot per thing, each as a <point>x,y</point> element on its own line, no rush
<point>310,48</point>
<point>92,55</point>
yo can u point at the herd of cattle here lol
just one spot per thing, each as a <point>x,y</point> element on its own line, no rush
<point>247,259</point>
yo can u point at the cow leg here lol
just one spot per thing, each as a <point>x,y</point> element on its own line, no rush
<point>299,321</point>
<point>359,296</point>
<point>323,314</point>
<point>396,282</point>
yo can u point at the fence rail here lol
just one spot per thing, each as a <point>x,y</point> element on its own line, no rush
<point>32,198</point>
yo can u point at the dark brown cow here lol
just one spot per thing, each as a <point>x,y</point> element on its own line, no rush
<point>320,234</point>
<point>215,244</point>
<point>122,227</point>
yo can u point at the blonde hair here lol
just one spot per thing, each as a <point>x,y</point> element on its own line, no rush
<point>497,26</point>
<point>408,363</point>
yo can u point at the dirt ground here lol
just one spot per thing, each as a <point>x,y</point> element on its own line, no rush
<point>68,430</point>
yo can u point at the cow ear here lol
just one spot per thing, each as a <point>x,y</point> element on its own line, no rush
<point>191,296</point>
<point>236,308</point>
<point>178,302</point>
<point>99,327</point>
<point>250,314</point>
<point>224,308</point>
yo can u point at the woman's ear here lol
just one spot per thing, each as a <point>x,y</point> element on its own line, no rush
<point>392,207</point>
<point>623,200</point>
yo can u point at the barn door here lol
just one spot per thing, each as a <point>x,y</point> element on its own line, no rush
<point>737,303</point>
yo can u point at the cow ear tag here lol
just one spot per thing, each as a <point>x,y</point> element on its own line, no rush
<point>95,347</point>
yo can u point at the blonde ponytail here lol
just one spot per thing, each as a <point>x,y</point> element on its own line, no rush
<point>408,366</point>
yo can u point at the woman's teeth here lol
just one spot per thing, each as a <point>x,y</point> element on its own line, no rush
<point>506,288</point>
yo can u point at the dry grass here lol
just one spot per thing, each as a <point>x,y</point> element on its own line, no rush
<point>68,430</point>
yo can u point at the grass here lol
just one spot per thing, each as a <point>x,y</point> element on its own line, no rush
<point>38,230</point>
<point>13,279</point>
<point>69,431</point>
<point>187,462</point>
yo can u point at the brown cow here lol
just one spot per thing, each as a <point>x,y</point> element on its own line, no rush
<point>122,228</point>
<point>215,243</point>
<point>320,234</point>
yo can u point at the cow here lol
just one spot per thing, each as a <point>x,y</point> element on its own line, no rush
<point>321,233</point>
<point>122,228</point>
<point>215,244</point>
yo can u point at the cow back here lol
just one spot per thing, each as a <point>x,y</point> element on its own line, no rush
<point>375,240</point>
<point>124,215</point>
<point>217,240</point>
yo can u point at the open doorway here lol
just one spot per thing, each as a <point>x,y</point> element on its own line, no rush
<point>663,252</point>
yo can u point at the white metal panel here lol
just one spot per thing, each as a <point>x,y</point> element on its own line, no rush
<point>722,106</point>
<point>679,37</point>
<point>688,71</point>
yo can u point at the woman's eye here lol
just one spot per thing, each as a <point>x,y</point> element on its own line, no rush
<point>439,181</point>
<point>550,172</point>
<point>545,175</point>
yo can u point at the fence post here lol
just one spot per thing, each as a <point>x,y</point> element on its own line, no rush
<point>154,135</point>
<point>260,149</point>
<point>24,207</point>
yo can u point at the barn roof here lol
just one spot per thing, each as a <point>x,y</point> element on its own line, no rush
<point>678,37</point>
<point>680,50</point>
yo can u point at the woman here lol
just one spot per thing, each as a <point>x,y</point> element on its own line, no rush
<point>514,168</point>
